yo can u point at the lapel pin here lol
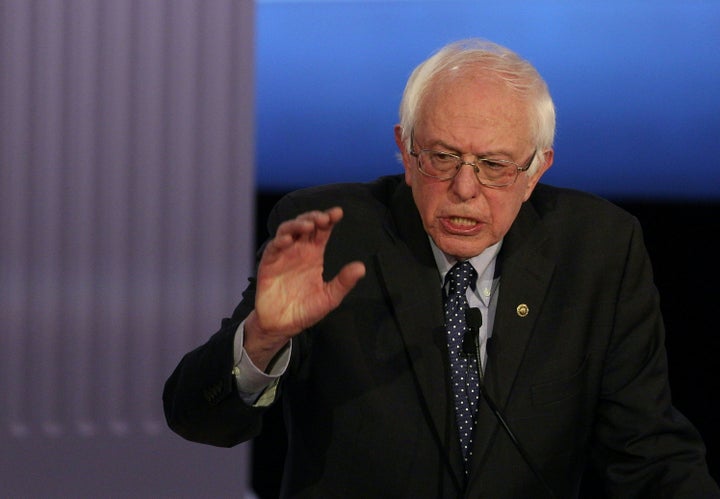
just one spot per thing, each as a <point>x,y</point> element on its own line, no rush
<point>522,310</point>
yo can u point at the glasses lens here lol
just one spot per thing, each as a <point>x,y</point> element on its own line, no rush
<point>444,165</point>
<point>489,172</point>
<point>496,173</point>
<point>439,164</point>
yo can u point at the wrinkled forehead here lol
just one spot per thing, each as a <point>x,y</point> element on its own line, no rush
<point>478,81</point>
<point>474,98</point>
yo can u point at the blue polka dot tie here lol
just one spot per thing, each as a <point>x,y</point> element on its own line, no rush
<point>463,368</point>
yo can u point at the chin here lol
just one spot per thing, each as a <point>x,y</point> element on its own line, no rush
<point>460,252</point>
<point>462,248</point>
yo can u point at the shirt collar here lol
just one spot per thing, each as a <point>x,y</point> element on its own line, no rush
<point>484,263</point>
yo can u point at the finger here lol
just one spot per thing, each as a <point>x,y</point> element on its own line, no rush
<point>334,214</point>
<point>279,243</point>
<point>323,220</point>
<point>345,281</point>
<point>292,230</point>
<point>310,221</point>
<point>315,225</point>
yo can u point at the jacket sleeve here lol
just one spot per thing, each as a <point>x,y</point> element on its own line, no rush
<point>645,447</point>
<point>200,398</point>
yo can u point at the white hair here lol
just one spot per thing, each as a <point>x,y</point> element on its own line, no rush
<point>491,59</point>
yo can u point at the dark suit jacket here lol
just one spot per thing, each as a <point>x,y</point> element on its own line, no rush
<point>581,378</point>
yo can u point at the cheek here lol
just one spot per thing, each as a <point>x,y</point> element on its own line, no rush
<point>426,200</point>
<point>529,185</point>
<point>504,210</point>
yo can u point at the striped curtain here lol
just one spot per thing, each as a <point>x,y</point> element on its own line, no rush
<point>126,202</point>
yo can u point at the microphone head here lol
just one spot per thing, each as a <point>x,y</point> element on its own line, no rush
<point>469,343</point>
<point>473,318</point>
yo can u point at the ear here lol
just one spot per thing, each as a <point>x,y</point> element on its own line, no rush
<point>404,155</point>
<point>547,161</point>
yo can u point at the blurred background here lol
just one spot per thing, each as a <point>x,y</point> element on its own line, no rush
<point>142,144</point>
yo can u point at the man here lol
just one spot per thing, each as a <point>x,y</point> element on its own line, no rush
<point>459,331</point>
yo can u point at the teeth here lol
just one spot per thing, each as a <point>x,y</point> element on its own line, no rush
<point>462,221</point>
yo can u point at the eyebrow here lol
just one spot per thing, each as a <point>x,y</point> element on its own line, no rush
<point>448,148</point>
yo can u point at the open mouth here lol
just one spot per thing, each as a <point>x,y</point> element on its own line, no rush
<point>462,222</point>
<point>461,225</point>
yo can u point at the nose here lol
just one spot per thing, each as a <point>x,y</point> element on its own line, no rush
<point>465,184</point>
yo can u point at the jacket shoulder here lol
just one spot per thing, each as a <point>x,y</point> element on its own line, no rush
<point>356,198</point>
<point>547,198</point>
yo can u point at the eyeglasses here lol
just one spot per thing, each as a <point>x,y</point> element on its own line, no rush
<point>443,165</point>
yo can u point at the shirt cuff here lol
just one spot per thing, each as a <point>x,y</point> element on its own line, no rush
<point>251,381</point>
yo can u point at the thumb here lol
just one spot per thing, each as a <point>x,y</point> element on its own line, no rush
<point>344,281</point>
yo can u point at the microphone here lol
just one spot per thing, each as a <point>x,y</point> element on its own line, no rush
<point>473,319</point>
<point>516,443</point>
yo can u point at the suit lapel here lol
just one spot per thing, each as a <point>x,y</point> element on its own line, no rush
<point>410,276</point>
<point>525,275</point>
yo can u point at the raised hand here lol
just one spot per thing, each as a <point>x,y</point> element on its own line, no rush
<point>291,294</point>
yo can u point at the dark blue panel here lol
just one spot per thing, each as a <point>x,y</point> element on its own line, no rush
<point>636,86</point>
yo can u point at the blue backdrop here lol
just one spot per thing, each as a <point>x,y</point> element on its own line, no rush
<point>635,84</point>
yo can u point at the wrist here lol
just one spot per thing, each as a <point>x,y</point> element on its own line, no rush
<point>260,345</point>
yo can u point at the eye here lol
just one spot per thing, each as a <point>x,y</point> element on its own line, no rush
<point>495,164</point>
<point>443,157</point>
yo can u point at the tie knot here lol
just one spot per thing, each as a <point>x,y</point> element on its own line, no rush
<point>459,277</point>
